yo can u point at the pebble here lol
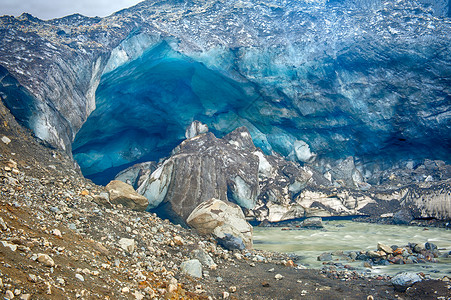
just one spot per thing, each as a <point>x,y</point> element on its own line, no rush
<point>9,295</point>
<point>232,289</point>
<point>278,277</point>
<point>6,140</point>
<point>79,277</point>
<point>45,260</point>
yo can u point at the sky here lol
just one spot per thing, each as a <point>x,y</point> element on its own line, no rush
<point>50,9</point>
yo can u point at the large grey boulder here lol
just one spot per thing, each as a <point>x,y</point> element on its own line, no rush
<point>123,193</point>
<point>225,220</point>
<point>201,168</point>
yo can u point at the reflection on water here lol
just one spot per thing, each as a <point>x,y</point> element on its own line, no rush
<point>348,235</point>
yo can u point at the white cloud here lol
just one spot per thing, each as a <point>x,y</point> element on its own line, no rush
<point>49,9</point>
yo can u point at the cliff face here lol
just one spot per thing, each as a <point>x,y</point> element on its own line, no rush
<point>311,80</point>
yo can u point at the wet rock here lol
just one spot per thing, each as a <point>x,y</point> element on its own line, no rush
<point>325,257</point>
<point>404,280</point>
<point>192,267</point>
<point>122,193</point>
<point>387,249</point>
<point>402,217</point>
<point>430,246</point>
<point>313,223</point>
<point>224,219</point>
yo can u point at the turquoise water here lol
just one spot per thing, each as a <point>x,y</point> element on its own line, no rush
<point>348,235</point>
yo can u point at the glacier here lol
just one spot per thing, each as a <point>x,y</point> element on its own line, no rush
<point>315,81</point>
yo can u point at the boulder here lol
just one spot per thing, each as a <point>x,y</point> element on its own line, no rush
<point>404,280</point>
<point>192,267</point>
<point>201,168</point>
<point>402,217</point>
<point>123,193</point>
<point>223,219</point>
<point>314,222</point>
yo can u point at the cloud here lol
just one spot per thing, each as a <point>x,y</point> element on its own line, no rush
<point>49,9</point>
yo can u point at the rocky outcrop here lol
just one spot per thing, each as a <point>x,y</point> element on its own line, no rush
<point>225,221</point>
<point>123,193</point>
<point>201,168</point>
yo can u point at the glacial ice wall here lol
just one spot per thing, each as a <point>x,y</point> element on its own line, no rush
<point>369,79</point>
<point>372,82</point>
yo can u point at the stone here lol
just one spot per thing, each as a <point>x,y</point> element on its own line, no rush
<point>192,267</point>
<point>102,199</point>
<point>387,249</point>
<point>430,246</point>
<point>123,193</point>
<point>9,294</point>
<point>6,140</point>
<point>404,280</point>
<point>325,257</point>
<point>25,297</point>
<point>128,245</point>
<point>204,258</point>
<point>402,217</point>
<point>45,260</point>
<point>79,277</point>
<point>278,276</point>
<point>315,222</point>
<point>57,232</point>
<point>224,219</point>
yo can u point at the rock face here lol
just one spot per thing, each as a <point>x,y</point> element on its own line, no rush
<point>202,168</point>
<point>123,193</point>
<point>225,221</point>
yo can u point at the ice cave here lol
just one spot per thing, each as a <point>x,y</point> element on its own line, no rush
<point>351,84</point>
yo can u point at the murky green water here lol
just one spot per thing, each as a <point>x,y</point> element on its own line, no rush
<point>348,235</point>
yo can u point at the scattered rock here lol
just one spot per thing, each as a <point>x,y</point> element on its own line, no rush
<point>45,260</point>
<point>6,140</point>
<point>325,257</point>
<point>128,245</point>
<point>123,193</point>
<point>192,267</point>
<point>278,277</point>
<point>404,280</point>
<point>385,248</point>
<point>79,277</point>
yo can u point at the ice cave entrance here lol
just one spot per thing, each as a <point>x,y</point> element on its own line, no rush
<point>144,107</point>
